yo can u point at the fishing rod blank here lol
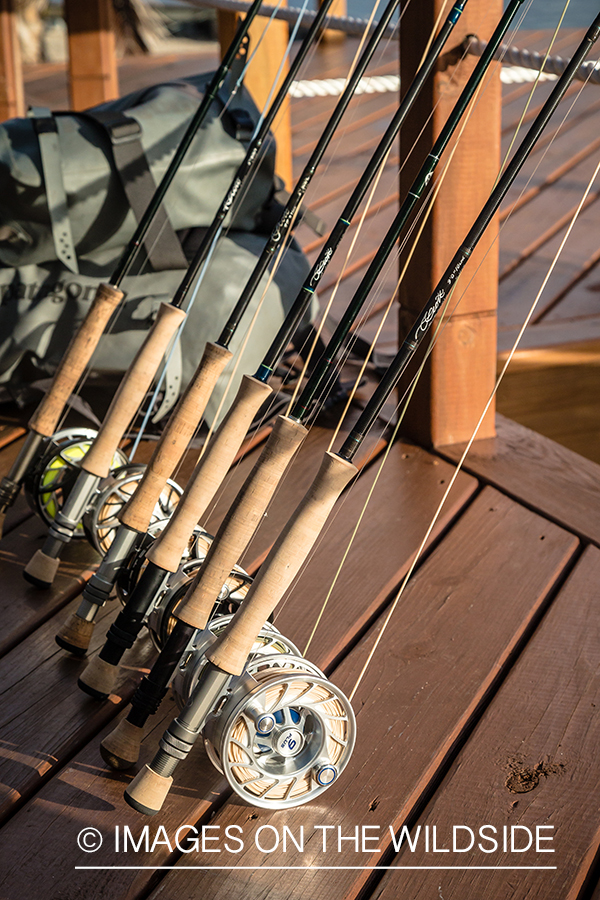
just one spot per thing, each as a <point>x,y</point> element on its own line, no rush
<point>164,557</point>
<point>251,503</point>
<point>226,657</point>
<point>42,567</point>
<point>44,421</point>
<point>135,519</point>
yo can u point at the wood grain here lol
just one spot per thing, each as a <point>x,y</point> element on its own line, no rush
<point>532,761</point>
<point>555,481</point>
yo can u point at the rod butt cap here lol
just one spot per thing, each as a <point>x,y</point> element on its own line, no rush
<point>121,748</point>
<point>41,570</point>
<point>75,635</point>
<point>148,791</point>
<point>98,679</point>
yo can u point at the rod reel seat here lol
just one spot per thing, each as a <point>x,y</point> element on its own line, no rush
<point>49,482</point>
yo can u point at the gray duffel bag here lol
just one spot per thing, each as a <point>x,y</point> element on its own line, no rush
<point>101,167</point>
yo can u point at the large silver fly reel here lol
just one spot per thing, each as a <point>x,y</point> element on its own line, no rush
<point>161,619</point>
<point>283,733</point>
<point>101,521</point>
<point>49,482</point>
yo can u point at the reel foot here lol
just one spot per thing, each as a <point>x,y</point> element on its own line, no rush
<point>98,680</point>
<point>121,748</point>
<point>41,570</point>
<point>2,518</point>
<point>75,635</point>
<point>147,792</point>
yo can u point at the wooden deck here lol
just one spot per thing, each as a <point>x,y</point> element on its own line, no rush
<point>479,707</point>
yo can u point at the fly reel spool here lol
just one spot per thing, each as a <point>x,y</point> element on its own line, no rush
<point>269,648</point>
<point>161,620</point>
<point>101,521</point>
<point>284,733</point>
<point>49,482</point>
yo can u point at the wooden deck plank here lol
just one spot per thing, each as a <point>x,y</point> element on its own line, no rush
<point>84,790</point>
<point>523,285</point>
<point>532,761</point>
<point>558,483</point>
<point>23,607</point>
<point>45,718</point>
<point>410,714</point>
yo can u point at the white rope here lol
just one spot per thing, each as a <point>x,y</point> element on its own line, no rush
<point>386,84</point>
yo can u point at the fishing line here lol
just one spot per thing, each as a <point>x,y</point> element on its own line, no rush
<point>272,273</point>
<point>531,93</point>
<point>473,436</point>
<point>122,271</point>
<point>405,399</point>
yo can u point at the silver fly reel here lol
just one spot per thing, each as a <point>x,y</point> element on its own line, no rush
<point>283,735</point>
<point>161,619</point>
<point>270,645</point>
<point>101,522</point>
<point>49,482</point>
<point>130,573</point>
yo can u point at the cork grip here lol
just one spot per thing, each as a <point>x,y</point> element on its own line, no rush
<point>167,550</point>
<point>241,521</point>
<point>231,649</point>
<point>132,390</point>
<point>73,363</point>
<point>180,428</point>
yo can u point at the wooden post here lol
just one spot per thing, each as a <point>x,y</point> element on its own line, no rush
<point>260,76</point>
<point>337,8</point>
<point>93,76</point>
<point>460,373</point>
<point>11,75</point>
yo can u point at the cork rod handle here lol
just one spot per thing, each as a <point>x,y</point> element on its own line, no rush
<point>241,521</point>
<point>132,390</point>
<point>79,352</point>
<point>231,649</point>
<point>213,465</point>
<point>178,432</point>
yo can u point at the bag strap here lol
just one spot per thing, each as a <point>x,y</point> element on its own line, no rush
<point>46,129</point>
<point>161,242</point>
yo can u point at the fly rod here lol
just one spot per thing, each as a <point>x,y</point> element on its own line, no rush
<point>43,423</point>
<point>165,556</point>
<point>135,518</point>
<point>42,567</point>
<point>239,524</point>
<point>227,655</point>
